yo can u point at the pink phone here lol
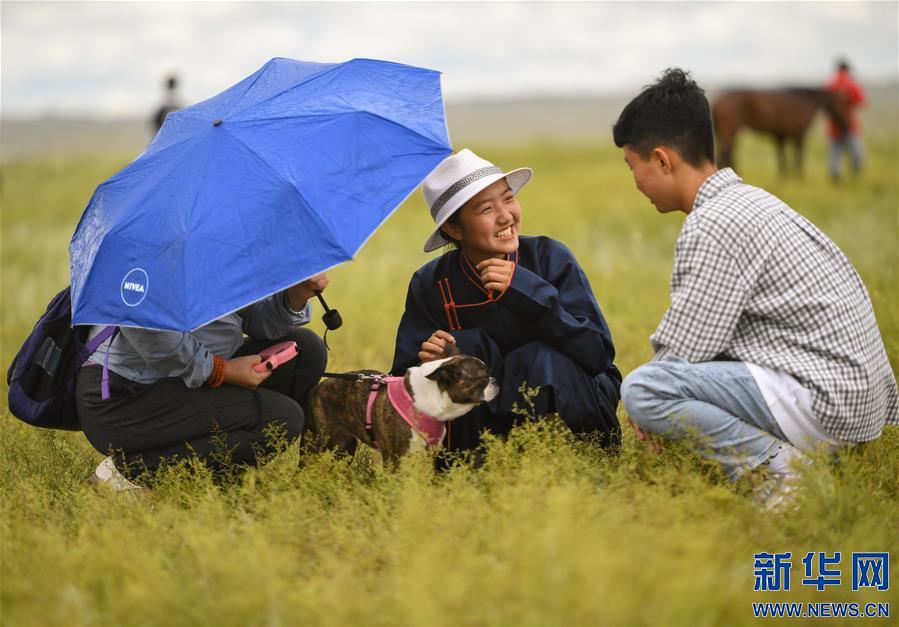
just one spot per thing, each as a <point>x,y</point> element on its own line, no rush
<point>274,356</point>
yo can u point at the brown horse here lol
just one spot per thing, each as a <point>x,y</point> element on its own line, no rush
<point>784,114</point>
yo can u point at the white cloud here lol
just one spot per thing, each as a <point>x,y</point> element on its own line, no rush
<point>110,58</point>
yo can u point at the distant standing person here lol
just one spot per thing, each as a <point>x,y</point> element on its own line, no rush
<point>769,347</point>
<point>170,102</point>
<point>847,139</point>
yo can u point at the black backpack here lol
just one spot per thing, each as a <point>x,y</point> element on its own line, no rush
<point>42,376</point>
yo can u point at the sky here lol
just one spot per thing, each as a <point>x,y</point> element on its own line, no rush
<point>110,58</point>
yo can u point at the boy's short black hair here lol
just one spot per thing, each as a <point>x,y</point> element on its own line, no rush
<point>671,112</point>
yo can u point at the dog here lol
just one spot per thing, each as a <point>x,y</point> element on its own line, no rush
<point>342,412</point>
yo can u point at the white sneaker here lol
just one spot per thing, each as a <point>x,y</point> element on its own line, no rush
<point>107,474</point>
<point>781,485</point>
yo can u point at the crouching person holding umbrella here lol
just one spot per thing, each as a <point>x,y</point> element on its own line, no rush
<point>238,197</point>
<point>172,395</point>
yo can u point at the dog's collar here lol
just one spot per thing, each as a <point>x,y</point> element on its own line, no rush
<point>428,427</point>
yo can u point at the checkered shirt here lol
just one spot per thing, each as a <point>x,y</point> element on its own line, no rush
<point>754,281</point>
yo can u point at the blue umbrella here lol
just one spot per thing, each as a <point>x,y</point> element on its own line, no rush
<point>276,179</point>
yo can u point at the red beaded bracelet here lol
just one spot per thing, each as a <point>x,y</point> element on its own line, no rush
<point>218,372</point>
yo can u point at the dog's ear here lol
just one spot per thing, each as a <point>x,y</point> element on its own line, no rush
<point>450,349</point>
<point>446,374</point>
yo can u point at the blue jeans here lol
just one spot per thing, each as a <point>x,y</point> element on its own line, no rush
<point>715,405</point>
<point>848,142</point>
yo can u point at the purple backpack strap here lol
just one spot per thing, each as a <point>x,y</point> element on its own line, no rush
<point>93,345</point>
<point>101,337</point>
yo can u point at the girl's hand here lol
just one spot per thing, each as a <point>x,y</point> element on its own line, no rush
<point>239,371</point>
<point>433,347</point>
<point>495,274</point>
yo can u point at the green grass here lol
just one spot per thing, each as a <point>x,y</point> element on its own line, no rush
<point>547,531</point>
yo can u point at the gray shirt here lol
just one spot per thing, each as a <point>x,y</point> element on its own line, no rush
<point>146,356</point>
<point>754,281</point>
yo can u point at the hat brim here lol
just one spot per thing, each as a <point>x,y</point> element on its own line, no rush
<point>517,179</point>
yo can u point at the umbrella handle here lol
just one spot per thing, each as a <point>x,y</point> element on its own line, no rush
<point>331,317</point>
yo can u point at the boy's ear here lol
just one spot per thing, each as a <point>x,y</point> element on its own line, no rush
<point>662,157</point>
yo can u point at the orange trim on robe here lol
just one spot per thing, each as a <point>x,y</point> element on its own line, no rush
<point>451,307</point>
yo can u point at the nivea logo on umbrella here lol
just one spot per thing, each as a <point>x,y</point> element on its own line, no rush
<point>134,287</point>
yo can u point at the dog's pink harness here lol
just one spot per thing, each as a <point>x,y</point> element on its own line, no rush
<point>428,427</point>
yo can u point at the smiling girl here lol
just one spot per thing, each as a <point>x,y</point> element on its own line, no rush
<point>521,304</point>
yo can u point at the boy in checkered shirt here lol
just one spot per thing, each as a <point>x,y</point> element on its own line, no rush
<point>770,347</point>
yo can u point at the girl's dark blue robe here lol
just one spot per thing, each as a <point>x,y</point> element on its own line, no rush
<point>546,329</point>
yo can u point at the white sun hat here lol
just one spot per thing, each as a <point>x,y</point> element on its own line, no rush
<point>455,181</point>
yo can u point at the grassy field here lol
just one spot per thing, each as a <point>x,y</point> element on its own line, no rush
<point>547,531</point>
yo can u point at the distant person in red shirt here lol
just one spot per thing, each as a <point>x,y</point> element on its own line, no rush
<point>849,139</point>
